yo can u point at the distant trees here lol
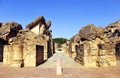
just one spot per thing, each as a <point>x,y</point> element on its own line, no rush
<point>60,41</point>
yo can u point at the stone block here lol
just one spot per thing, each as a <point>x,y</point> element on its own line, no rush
<point>102,53</point>
<point>30,62</point>
<point>86,45</point>
<point>94,52</point>
<point>90,61</point>
<point>85,53</point>
<point>17,64</point>
<point>103,64</point>
<point>111,58</point>
<point>45,46</point>
<point>73,47</point>
<point>73,55</point>
<point>112,52</point>
<point>93,46</point>
<point>45,55</point>
<point>7,54</point>
<point>113,63</point>
<point>34,55</point>
<point>93,64</point>
<point>102,61</point>
<point>18,52</point>
<point>6,61</point>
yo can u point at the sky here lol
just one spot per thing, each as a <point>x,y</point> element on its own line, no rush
<point>67,16</point>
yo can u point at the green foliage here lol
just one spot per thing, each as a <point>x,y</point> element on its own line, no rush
<point>60,40</point>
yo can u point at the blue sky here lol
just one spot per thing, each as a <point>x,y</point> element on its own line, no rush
<point>67,16</point>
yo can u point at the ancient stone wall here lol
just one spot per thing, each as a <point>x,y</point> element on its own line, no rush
<point>33,55</point>
<point>72,50</point>
<point>41,27</point>
<point>13,55</point>
<point>29,47</point>
<point>95,46</point>
<point>91,54</point>
<point>19,55</point>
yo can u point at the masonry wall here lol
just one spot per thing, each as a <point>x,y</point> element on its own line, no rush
<point>19,55</point>
<point>36,29</point>
<point>13,55</point>
<point>33,55</point>
<point>91,54</point>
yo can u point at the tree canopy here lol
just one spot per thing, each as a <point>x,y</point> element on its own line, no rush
<point>60,40</point>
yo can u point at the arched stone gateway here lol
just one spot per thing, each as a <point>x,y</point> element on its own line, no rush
<point>1,52</point>
<point>117,50</point>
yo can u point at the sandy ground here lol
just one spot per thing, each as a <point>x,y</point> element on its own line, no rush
<point>71,69</point>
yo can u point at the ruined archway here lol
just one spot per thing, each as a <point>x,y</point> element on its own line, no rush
<point>1,52</point>
<point>117,51</point>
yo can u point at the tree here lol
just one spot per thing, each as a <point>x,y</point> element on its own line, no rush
<point>60,41</point>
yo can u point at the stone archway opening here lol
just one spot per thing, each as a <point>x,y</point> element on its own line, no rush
<point>1,52</point>
<point>117,51</point>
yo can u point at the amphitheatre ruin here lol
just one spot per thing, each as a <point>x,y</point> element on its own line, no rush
<point>29,49</point>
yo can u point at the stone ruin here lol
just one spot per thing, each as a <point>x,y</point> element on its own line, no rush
<point>26,48</point>
<point>7,31</point>
<point>96,46</point>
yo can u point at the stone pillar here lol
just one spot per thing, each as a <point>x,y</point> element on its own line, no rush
<point>45,50</point>
<point>17,55</point>
<point>7,55</point>
<point>29,52</point>
<point>59,66</point>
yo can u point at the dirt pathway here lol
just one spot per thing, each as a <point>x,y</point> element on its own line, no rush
<point>67,62</point>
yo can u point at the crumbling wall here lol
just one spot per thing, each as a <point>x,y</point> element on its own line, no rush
<point>33,55</point>
<point>93,54</point>
<point>9,30</point>
<point>106,55</point>
<point>29,48</point>
<point>93,47</point>
<point>13,55</point>
<point>41,28</point>
<point>112,32</point>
